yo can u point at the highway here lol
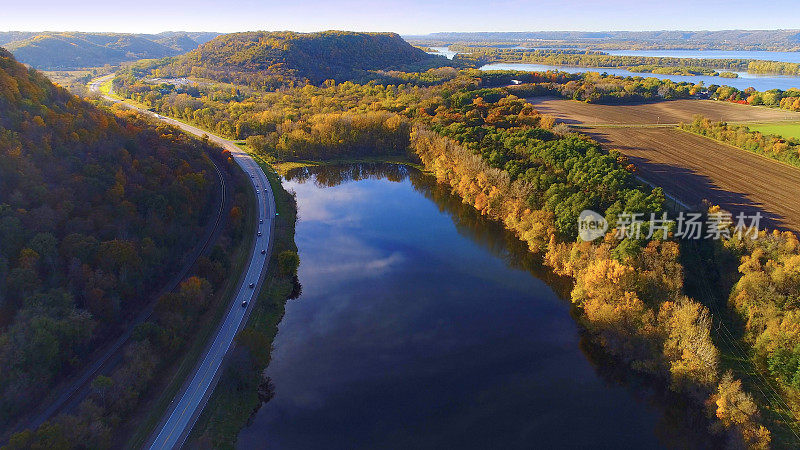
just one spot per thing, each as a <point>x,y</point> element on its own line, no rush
<point>184,410</point>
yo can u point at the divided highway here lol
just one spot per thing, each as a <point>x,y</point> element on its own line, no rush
<point>184,410</point>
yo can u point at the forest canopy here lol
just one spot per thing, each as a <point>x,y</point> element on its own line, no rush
<point>272,59</point>
<point>93,207</point>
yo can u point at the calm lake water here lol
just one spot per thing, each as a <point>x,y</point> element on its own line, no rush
<point>422,325</point>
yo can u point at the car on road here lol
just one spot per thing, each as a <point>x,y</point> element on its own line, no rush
<point>259,233</point>
<point>244,304</point>
<point>252,285</point>
<point>263,252</point>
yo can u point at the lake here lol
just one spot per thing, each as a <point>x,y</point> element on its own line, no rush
<point>423,325</point>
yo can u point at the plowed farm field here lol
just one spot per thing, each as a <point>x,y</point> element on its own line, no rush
<point>689,167</point>
<point>574,112</point>
<point>693,168</point>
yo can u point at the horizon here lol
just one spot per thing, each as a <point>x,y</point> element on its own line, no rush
<point>407,18</point>
<point>401,34</point>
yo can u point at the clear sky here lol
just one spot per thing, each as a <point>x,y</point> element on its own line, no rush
<point>405,17</point>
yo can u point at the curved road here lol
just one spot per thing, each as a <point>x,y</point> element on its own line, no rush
<point>176,424</point>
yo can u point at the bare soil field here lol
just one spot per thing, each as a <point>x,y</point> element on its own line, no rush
<point>668,112</point>
<point>693,168</point>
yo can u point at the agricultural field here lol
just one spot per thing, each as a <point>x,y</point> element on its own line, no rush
<point>693,168</point>
<point>573,112</point>
<point>74,80</point>
<point>786,130</point>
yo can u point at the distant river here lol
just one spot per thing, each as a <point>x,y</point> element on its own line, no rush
<point>422,325</point>
<point>745,80</point>
<point>444,51</point>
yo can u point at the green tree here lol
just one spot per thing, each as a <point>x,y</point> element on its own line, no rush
<point>288,262</point>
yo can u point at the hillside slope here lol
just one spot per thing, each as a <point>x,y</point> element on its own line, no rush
<point>11,36</point>
<point>171,38</point>
<point>93,208</point>
<point>180,42</point>
<point>316,57</point>
<point>78,50</point>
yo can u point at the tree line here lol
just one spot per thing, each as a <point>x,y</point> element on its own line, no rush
<point>599,59</point>
<point>766,295</point>
<point>630,292</point>
<point>775,147</point>
<point>593,87</point>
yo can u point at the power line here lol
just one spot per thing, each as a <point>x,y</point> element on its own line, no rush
<point>732,342</point>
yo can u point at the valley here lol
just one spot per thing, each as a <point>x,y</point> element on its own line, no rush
<point>344,239</point>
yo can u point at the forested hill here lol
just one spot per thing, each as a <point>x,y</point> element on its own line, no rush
<point>77,50</point>
<point>96,212</point>
<point>284,56</point>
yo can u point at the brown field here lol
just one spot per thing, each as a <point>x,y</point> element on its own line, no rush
<point>668,112</point>
<point>692,168</point>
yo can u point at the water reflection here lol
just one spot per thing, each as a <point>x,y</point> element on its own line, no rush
<point>334,175</point>
<point>491,235</point>
<point>420,325</point>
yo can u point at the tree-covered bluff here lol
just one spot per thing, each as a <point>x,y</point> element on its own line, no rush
<point>273,59</point>
<point>97,210</point>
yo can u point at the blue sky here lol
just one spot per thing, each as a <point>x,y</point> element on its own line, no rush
<point>405,17</point>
